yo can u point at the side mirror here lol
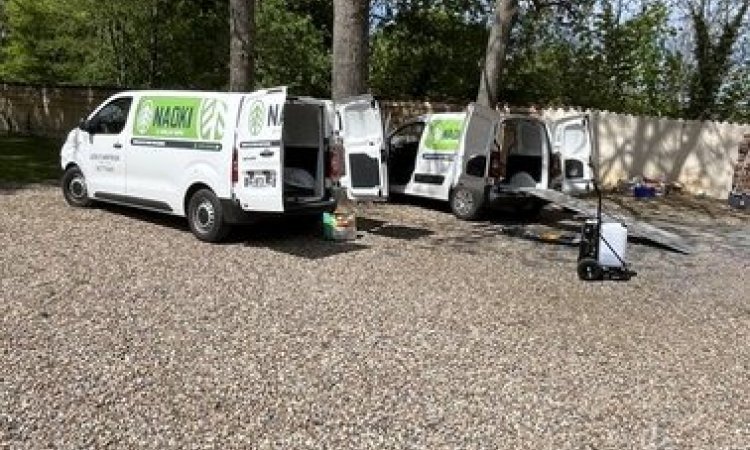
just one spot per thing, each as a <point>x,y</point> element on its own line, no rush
<point>84,125</point>
<point>87,126</point>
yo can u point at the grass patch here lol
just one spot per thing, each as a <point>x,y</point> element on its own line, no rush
<point>29,159</point>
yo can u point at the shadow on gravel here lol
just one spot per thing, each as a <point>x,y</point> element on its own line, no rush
<point>309,248</point>
<point>382,228</point>
<point>301,238</point>
<point>161,219</point>
<point>436,205</point>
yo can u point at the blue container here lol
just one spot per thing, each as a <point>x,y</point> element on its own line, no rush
<point>644,192</point>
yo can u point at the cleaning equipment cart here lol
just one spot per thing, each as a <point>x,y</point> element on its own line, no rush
<point>602,248</point>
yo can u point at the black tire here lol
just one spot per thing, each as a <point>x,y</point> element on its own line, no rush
<point>590,270</point>
<point>206,218</point>
<point>522,180</point>
<point>466,204</point>
<point>74,188</point>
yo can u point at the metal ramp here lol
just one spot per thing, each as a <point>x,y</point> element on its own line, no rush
<point>636,228</point>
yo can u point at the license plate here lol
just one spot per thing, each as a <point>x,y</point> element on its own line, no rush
<point>257,181</point>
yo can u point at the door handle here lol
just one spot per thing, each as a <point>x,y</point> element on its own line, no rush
<point>117,145</point>
<point>266,153</point>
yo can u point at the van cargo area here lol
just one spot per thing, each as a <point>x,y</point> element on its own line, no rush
<point>524,145</point>
<point>304,152</point>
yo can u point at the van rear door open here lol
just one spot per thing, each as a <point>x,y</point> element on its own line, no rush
<point>359,121</point>
<point>572,139</point>
<point>259,151</point>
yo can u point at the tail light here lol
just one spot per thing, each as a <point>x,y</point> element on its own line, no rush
<point>335,168</point>
<point>496,165</point>
<point>235,167</point>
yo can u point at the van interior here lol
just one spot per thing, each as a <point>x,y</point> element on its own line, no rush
<point>402,153</point>
<point>523,144</point>
<point>304,151</point>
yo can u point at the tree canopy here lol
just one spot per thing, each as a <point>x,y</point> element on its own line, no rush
<point>675,58</point>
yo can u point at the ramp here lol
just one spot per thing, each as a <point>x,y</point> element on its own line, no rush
<point>636,228</point>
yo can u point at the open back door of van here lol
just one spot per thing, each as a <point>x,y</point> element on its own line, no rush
<point>572,137</point>
<point>476,143</point>
<point>259,151</point>
<point>359,123</point>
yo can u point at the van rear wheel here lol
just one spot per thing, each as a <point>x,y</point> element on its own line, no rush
<point>74,188</point>
<point>206,218</point>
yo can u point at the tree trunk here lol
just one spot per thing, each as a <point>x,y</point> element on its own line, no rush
<point>242,36</point>
<point>153,62</point>
<point>506,15</point>
<point>350,47</point>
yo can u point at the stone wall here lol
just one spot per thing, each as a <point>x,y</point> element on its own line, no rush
<point>396,112</point>
<point>46,110</point>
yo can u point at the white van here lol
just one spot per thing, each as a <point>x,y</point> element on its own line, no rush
<point>482,158</point>
<point>223,158</point>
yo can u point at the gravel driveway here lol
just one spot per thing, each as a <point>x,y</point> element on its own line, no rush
<point>120,330</point>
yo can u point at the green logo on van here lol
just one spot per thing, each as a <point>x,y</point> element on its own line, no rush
<point>181,117</point>
<point>256,118</point>
<point>213,119</point>
<point>443,135</point>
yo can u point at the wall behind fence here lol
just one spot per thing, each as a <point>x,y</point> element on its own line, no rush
<point>46,111</point>
<point>701,155</point>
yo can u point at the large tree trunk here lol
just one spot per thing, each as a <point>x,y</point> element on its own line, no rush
<point>350,47</point>
<point>242,35</point>
<point>506,14</point>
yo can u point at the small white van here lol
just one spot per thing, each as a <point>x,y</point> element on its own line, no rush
<point>483,158</point>
<point>224,158</point>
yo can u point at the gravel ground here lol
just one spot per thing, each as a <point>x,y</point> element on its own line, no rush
<point>120,330</point>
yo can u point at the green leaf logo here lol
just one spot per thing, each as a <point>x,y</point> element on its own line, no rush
<point>256,118</point>
<point>212,119</point>
<point>145,117</point>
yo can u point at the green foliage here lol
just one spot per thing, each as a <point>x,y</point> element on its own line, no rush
<point>156,43</point>
<point>599,61</point>
<point>41,47</point>
<point>291,51</point>
<point>711,88</point>
<point>605,54</point>
<point>431,53</point>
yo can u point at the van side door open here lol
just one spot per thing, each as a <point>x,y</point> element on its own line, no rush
<point>258,152</point>
<point>572,139</point>
<point>359,123</point>
<point>476,143</point>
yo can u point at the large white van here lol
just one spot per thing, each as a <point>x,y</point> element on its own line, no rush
<point>483,158</point>
<point>224,158</point>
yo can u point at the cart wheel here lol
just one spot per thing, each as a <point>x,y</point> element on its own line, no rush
<point>589,270</point>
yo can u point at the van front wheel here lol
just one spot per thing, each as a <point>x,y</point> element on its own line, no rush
<point>74,188</point>
<point>465,203</point>
<point>205,217</point>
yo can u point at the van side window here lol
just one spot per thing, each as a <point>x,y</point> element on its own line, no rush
<point>112,118</point>
<point>407,135</point>
<point>477,166</point>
